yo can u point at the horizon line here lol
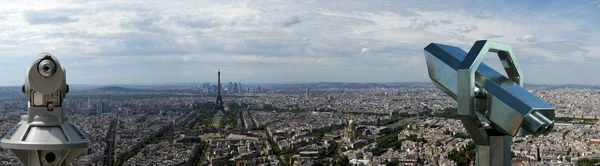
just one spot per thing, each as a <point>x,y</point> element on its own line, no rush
<point>283,83</point>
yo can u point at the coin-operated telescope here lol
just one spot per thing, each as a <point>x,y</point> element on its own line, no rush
<point>44,136</point>
<point>484,95</point>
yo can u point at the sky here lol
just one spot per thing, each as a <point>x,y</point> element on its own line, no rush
<point>164,42</point>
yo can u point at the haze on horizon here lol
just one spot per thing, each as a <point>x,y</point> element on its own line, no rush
<point>158,42</point>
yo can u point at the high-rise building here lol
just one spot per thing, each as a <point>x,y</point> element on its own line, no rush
<point>307,92</point>
<point>240,87</point>
<point>230,87</point>
<point>65,106</point>
<point>99,108</point>
<point>76,106</point>
<point>235,87</point>
<point>105,107</point>
<point>259,89</point>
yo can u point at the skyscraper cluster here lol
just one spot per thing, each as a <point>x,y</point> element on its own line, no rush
<point>205,85</point>
<point>231,88</point>
<point>234,87</point>
<point>102,107</point>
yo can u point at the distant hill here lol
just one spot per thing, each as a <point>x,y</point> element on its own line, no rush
<point>116,89</point>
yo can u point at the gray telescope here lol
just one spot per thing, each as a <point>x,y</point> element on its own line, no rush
<point>44,136</point>
<point>484,95</point>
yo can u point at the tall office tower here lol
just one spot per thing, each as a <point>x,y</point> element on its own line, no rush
<point>307,92</point>
<point>230,87</point>
<point>259,89</point>
<point>76,106</point>
<point>235,87</point>
<point>99,108</point>
<point>105,107</point>
<point>219,108</point>
<point>248,90</point>
<point>65,106</point>
<point>240,87</point>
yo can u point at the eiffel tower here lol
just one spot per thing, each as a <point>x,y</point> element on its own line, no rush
<point>218,108</point>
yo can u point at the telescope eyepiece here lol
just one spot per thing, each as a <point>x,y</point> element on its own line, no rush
<point>47,68</point>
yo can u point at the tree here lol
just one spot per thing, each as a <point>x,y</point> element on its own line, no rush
<point>460,157</point>
<point>394,162</point>
<point>343,162</point>
<point>588,162</point>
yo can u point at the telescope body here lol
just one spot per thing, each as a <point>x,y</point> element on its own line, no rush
<point>483,94</point>
<point>44,136</point>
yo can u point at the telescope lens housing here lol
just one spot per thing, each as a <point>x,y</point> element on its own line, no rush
<point>50,157</point>
<point>47,68</point>
<point>534,124</point>
<point>44,136</point>
<point>494,98</point>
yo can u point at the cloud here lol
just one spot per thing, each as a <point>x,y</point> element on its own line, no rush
<point>48,17</point>
<point>555,52</point>
<point>467,29</point>
<point>265,40</point>
<point>422,23</point>
<point>202,23</point>
<point>365,50</point>
<point>145,22</point>
<point>529,38</point>
<point>445,22</point>
<point>483,14</point>
<point>291,21</point>
<point>490,36</point>
<point>595,3</point>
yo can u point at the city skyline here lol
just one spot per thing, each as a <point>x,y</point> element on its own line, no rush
<point>369,125</point>
<point>292,41</point>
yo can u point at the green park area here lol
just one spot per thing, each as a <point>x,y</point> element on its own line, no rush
<point>401,122</point>
<point>217,121</point>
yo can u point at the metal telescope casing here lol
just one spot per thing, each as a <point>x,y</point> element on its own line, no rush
<point>44,136</point>
<point>483,94</point>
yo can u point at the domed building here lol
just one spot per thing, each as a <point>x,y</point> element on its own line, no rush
<point>350,129</point>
